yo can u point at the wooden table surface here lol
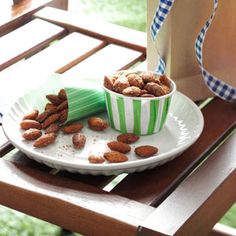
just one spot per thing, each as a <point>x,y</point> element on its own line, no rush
<point>186,196</point>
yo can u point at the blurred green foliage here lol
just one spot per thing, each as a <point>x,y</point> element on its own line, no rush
<point>130,13</point>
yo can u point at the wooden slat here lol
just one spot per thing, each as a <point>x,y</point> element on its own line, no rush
<point>194,207</point>
<point>106,61</point>
<point>83,208</point>
<point>26,40</point>
<point>99,181</point>
<point>60,56</point>
<point>96,28</point>
<point>13,16</point>
<point>152,187</point>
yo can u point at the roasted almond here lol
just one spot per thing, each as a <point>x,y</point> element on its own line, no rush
<point>44,140</point>
<point>115,157</point>
<point>132,91</point>
<point>51,108</point>
<point>54,99</point>
<point>97,123</point>
<point>148,76</point>
<point>109,81</point>
<point>52,128</point>
<point>127,138</point>
<point>42,116</point>
<point>50,120</point>
<point>120,84</point>
<point>78,140</point>
<point>96,159</point>
<point>145,151</point>
<point>72,128</point>
<point>135,80</point>
<point>155,89</point>
<point>32,134</point>
<point>27,124</point>
<point>31,115</point>
<point>164,80</point>
<point>63,116</point>
<point>62,106</point>
<point>119,146</point>
<point>62,94</point>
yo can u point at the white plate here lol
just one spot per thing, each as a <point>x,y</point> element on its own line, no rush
<point>183,127</point>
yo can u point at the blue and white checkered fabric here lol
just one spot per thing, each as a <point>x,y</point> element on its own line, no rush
<point>218,87</point>
<point>159,18</point>
<point>0,118</point>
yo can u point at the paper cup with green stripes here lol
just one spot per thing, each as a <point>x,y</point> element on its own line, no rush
<point>139,115</point>
<point>85,95</point>
<point>85,99</point>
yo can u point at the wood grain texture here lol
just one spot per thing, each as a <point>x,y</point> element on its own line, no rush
<point>153,186</point>
<point>68,203</point>
<point>95,28</point>
<point>61,4</point>
<point>31,38</point>
<point>194,207</point>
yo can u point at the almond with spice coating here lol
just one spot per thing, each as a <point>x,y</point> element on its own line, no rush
<point>128,138</point>
<point>119,146</point>
<point>32,134</point>
<point>78,140</point>
<point>145,151</point>
<point>27,124</point>
<point>97,123</point>
<point>31,115</point>
<point>115,157</point>
<point>45,140</point>
<point>95,159</point>
<point>72,128</point>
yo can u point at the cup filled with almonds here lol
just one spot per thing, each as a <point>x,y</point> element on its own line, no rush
<point>138,101</point>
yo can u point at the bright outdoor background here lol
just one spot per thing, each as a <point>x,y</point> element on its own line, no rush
<point>131,13</point>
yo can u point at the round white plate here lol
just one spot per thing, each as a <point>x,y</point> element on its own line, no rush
<point>184,125</point>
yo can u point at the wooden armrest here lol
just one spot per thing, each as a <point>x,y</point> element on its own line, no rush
<point>182,212</point>
<point>91,26</point>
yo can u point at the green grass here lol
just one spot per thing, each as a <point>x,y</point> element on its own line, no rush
<point>230,217</point>
<point>131,13</point>
<point>14,223</point>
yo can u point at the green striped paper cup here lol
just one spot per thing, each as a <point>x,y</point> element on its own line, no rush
<point>84,100</point>
<point>138,115</point>
<point>85,95</point>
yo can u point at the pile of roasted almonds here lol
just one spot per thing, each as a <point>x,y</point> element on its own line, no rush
<point>138,84</point>
<point>42,129</point>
